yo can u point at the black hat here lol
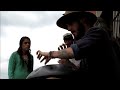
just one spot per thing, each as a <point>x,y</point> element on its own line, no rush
<point>67,36</point>
<point>69,16</point>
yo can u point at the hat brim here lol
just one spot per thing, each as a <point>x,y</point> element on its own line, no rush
<point>61,22</point>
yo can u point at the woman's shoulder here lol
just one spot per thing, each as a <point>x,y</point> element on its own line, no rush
<point>15,53</point>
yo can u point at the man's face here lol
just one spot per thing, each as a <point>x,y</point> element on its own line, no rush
<point>77,29</point>
<point>68,42</point>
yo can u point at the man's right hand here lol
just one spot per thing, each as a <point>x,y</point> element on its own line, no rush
<point>63,46</point>
<point>46,56</point>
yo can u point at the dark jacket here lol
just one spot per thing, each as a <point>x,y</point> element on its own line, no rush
<point>96,47</point>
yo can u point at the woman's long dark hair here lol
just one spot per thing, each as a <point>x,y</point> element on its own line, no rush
<point>20,52</point>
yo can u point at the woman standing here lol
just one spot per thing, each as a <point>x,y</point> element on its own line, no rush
<point>21,61</point>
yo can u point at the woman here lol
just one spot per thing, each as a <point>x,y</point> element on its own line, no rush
<point>21,61</point>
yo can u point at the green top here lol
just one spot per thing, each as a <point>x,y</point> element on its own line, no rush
<point>15,68</point>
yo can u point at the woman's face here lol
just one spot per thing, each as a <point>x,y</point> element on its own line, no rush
<point>26,44</point>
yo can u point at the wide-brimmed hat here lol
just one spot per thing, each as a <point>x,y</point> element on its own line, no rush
<point>70,16</point>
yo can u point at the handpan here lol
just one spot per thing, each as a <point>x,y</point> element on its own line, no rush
<point>53,70</point>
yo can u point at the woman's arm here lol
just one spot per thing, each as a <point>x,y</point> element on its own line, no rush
<point>11,66</point>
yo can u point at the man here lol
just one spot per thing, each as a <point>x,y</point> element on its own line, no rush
<point>92,44</point>
<point>68,40</point>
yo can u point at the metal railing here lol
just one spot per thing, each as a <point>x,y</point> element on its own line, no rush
<point>116,24</point>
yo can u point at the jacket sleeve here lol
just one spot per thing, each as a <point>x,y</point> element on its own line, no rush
<point>11,66</point>
<point>88,43</point>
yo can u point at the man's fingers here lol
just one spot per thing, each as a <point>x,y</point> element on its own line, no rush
<point>58,48</point>
<point>43,59</point>
<point>39,56</point>
<point>61,47</point>
<point>47,60</point>
<point>59,61</point>
<point>64,46</point>
<point>38,52</point>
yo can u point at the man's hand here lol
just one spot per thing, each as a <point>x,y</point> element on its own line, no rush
<point>68,63</point>
<point>63,61</point>
<point>45,54</point>
<point>63,46</point>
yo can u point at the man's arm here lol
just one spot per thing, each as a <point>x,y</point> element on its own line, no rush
<point>89,43</point>
<point>62,54</point>
<point>81,49</point>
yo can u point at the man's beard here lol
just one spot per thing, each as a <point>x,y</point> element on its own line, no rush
<point>80,33</point>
